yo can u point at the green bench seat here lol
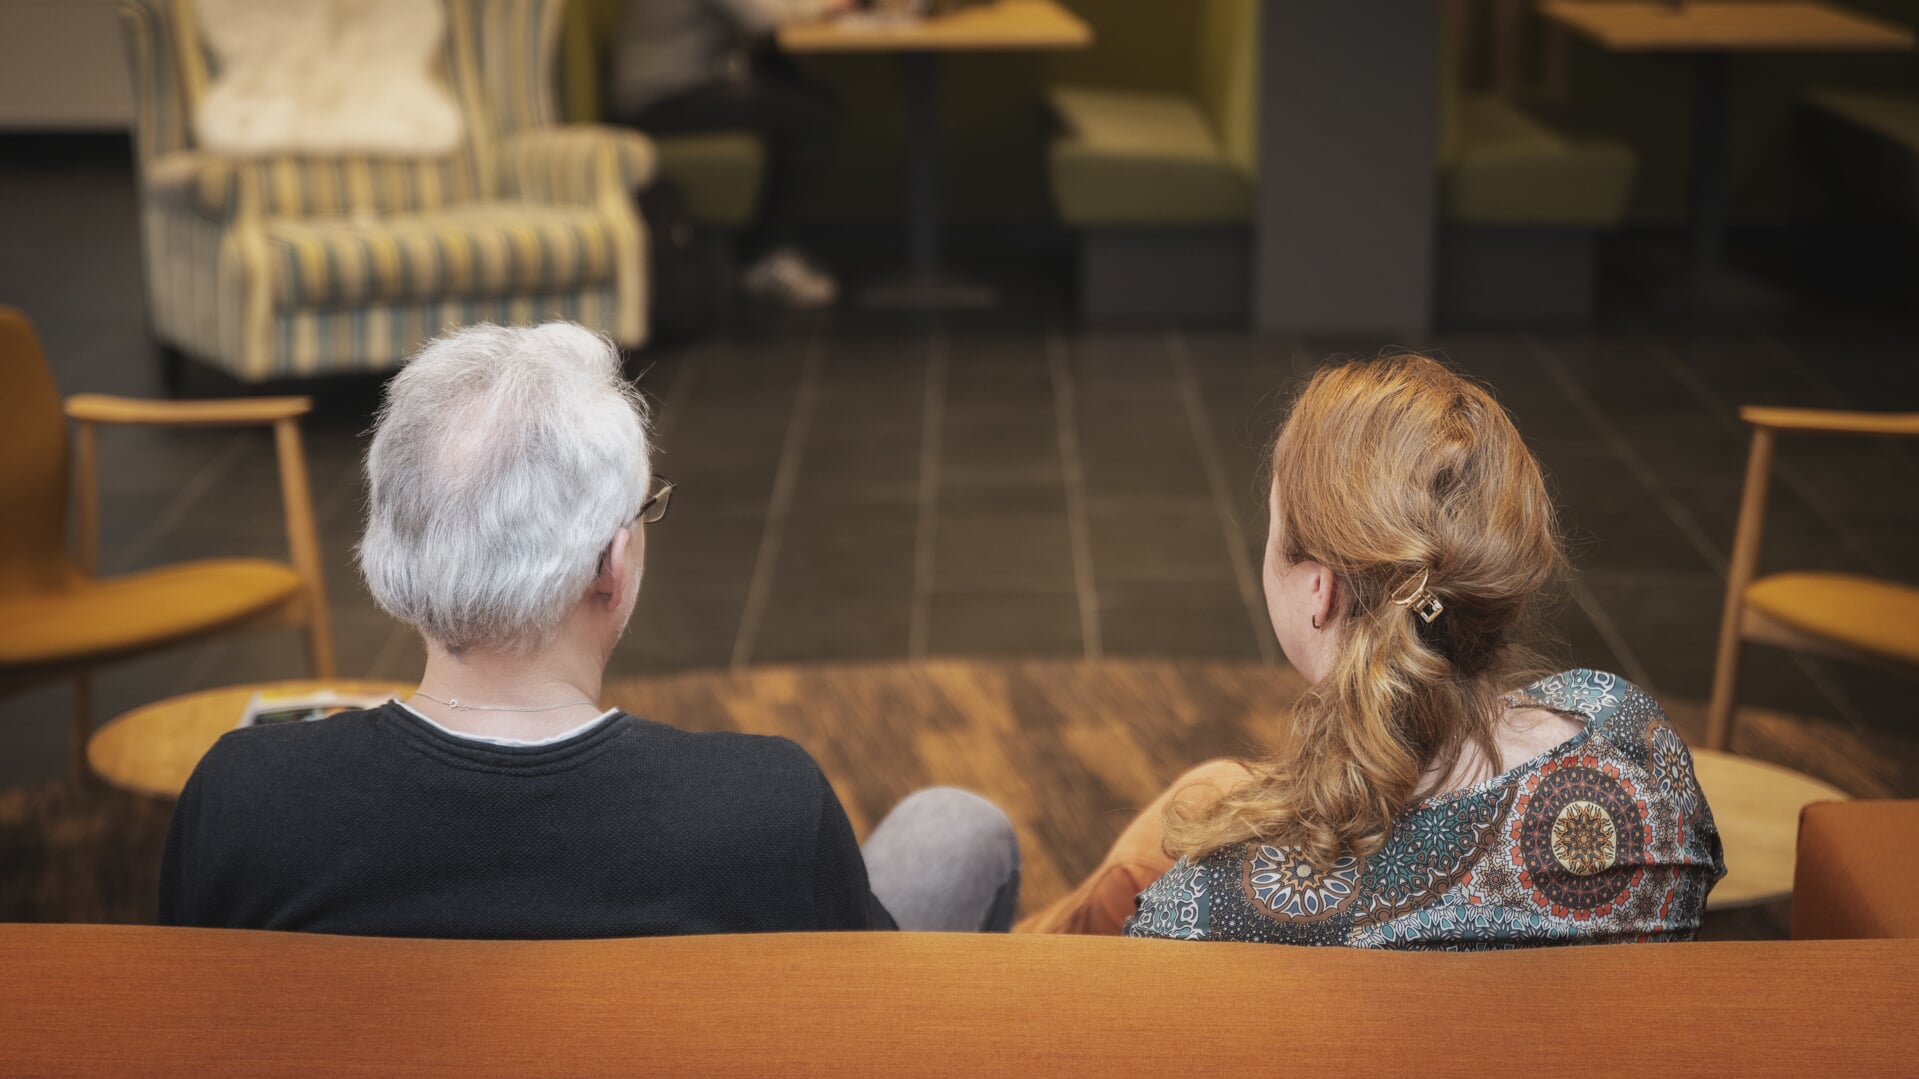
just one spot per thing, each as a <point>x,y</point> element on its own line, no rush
<point>1160,186</point>
<point>720,174</point>
<point>1893,117</point>
<point>1501,167</point>
<point>1130,158</point>
<point>1868,147</point>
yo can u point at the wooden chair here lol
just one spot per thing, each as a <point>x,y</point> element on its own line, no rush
<point>1842,615</point>
<point>1757,804</point>
<point>58,618</point>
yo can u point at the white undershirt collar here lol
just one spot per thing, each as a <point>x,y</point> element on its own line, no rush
<point>511,742</point>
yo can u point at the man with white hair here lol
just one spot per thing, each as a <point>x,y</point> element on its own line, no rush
<point>509,494</point>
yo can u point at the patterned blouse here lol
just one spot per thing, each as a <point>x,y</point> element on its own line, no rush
<point>1604,839</point>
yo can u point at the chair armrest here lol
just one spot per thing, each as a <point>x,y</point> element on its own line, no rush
<point>1827,422</point>
<point>101,408</point>
<point>200,183</point>
<point>575,164</point>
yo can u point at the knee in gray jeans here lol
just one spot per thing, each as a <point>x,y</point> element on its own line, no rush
<point>945,860</point>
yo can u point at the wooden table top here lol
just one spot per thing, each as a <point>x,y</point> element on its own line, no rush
<point>1756,806</point>
<point>152,750</point>
<point>1003,25</point>
<point>1714,26</point>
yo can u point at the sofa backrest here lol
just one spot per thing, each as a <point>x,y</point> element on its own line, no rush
<point>127,1000</point>
<point>1226,76</point>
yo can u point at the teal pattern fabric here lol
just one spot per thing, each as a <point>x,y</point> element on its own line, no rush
<point>1605,839</point>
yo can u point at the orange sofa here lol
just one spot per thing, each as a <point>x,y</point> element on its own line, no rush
<point>127,1000</point>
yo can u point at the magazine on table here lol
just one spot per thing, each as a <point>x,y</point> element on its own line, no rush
<point>272,707</point>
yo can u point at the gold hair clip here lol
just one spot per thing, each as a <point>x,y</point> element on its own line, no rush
<point>1420,599</point>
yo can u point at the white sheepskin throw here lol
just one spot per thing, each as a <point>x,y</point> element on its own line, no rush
<point>325,77</point>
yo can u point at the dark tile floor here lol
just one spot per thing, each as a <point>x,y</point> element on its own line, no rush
<point>1009,485</point>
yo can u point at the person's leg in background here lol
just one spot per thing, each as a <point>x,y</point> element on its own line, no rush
<point>1103,902</point>
<point>945,861</point>
<point>798,122</point>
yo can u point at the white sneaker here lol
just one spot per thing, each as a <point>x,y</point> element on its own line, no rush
<point>786,277</point>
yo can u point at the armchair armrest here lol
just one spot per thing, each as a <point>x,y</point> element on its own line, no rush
<point>1827,422</point>
<point>102,408</point>
<point>575,164</point>
<point>200,183</point>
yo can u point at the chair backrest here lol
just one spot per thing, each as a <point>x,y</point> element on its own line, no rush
<point>498,61</point>
<point>1226,76</point>
<point>33,465</point>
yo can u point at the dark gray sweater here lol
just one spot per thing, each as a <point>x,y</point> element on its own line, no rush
<point>377,824</point>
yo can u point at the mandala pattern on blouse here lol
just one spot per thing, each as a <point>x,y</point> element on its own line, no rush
<point>1589,844</point>
<point>1460,926</point>
<point>1671,766</point>
<point>1430,850</point>
<point>1580,835</point>
<point>1588,693</point>
<point>1286,886</point>
<point>1175,906</point>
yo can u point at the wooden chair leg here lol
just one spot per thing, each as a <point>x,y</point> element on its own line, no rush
<point>303,543</point>
<point>1725,686</point>
<point>82,725</point>
<point>1745,563</point>
<point>320,646</point>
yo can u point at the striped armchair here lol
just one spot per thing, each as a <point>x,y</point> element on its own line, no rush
<point>291,266</point>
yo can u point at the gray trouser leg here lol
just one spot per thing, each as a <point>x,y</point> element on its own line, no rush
<point>945,860</point>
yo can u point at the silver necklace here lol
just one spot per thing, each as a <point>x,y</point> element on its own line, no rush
<point>460,706</point>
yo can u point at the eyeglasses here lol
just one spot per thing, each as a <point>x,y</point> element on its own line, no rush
<point>653,510</point>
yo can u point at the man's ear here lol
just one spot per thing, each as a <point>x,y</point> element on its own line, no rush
<point>620,562</point>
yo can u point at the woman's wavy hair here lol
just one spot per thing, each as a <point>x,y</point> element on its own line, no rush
<point>1386,471</point>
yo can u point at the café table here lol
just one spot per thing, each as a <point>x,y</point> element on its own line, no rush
<point>1712,32</point>
<point>153,749</point>
<point>920,42</point>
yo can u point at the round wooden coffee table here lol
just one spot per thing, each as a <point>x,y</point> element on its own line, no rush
<point>153,749</point>
<point>1756,805</point>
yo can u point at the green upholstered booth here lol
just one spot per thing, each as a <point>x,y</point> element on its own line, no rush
<point>1867,152</point>
<point>1160,184</point>
<point>720,173</point>
<point>1858,153</point>
<point>1520,205</point>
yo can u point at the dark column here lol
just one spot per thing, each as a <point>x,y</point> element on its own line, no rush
<point>1349,111</point>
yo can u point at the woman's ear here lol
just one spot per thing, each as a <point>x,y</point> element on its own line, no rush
<point>1323,593</point>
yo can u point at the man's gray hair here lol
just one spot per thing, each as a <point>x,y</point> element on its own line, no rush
<point>504,460</point>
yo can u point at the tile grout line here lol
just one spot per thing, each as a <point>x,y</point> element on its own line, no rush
<point>1834,397</point>
<point>1609,632</point>
<point>1073,477</point>
<point>932,437</point>
<point>190,673</point>
<point>1575,395</point>
<point>388,648</point>
<point>1623,452</point>
<point>210,473</point>
<point>673,405</point>
<point>1791,478</point>
<point>1215,467</point>
<point>779,503</point>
